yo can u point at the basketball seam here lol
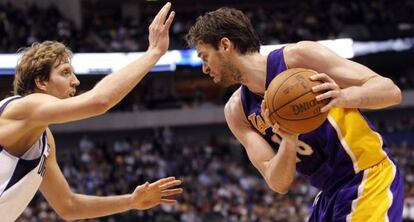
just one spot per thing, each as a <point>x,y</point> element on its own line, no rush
<point>289,102</point>
<point>274,95</point>
<point>297,119</point>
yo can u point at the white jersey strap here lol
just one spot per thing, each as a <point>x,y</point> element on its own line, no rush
<point>6,101</point>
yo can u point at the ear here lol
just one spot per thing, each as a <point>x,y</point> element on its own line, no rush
<point>225,44</point>
<point>41,84</point>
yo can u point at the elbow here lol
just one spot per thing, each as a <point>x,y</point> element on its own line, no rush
<point>279,186</point>
<point>397,95</point>
<point>67,210</point>
<point>67,216</point>
<point>395,92</point>
<point>279,189</point>
<point>100,105</point>
<point>66,213</point>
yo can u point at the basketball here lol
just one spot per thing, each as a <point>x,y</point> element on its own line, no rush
<point>292,103</point>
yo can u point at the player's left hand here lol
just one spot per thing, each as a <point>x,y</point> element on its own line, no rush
<point>330,90</point>
<point>158,36</point>
<point>150,195</point>
<point>275,126</point>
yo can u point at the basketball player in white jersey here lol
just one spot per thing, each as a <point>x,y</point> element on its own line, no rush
<point>45,87</point>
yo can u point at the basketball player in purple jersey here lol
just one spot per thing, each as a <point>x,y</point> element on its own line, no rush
<point>45,87</point>
<point>345,157</point>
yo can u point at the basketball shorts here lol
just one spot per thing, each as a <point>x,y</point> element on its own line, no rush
<point>373,195</point>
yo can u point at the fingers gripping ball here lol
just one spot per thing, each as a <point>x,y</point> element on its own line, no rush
<point>292,103</point>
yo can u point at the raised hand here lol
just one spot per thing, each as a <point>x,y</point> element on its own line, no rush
<point>158,30</point>
<point>329,90</point>
<point>150,195</point>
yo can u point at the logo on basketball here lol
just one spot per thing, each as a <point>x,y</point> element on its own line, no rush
<point>303,107</point>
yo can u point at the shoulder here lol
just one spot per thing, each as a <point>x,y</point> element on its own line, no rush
<point>301,47</point>
<point>296,54</point>
<point>20,108</point>
<point>234,103</point>
<point>37,98</point>
<point>233,110</point>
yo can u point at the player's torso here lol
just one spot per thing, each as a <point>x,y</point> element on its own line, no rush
<point>20,177</point>
<point>343,145</point>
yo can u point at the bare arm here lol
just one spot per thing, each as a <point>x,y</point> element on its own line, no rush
<point>278,169</point>
<point>43,109</point>
<point>73,206</point>
<point>349,84</point>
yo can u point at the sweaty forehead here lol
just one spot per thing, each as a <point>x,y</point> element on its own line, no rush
<point>63,65</point>
<point>203,48</point>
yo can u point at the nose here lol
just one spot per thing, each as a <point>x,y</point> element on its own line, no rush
<point>206,69</point>
<point>75,80</point>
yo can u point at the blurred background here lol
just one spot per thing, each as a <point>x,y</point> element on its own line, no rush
<point>172,123</point>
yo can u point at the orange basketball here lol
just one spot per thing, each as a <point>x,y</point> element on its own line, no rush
<point>292,103</point>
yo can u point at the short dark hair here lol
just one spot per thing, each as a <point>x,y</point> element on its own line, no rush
<point>224,22</point>
<point>37,62</point>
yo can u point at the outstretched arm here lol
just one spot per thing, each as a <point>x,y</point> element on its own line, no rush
<point>347,83</point>
<point>117,85</point>
<point>71,206</point>
<point>42,109</point>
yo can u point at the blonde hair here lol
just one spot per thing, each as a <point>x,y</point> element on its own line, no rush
<point>37,61</point>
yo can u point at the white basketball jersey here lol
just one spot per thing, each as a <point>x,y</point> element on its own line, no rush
<point>20,177</point>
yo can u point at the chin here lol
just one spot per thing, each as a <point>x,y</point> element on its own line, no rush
<point>65,97</point>
<point>225,84</point>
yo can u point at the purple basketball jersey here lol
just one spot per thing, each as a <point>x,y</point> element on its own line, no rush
<point>345,158</point>
<point>330,153</point>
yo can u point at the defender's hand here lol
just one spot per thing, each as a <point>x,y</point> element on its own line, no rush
<point>158,30</point>
<point>329,90</point>
<point>151,195</point>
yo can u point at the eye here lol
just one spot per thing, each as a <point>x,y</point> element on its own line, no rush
<point>65,72</point>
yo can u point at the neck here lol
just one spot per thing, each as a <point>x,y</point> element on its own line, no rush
<point>253,71</point>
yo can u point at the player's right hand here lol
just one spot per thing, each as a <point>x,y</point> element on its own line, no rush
<point>329,89</point>
<point>158,30</point>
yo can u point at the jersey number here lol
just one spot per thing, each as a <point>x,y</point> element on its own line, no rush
<point>303,148</point>
<point>258,122</point>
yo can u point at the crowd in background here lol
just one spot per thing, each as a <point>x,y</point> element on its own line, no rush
<point>220,183</point>
<point>279,22</point>
<point>317,19</point>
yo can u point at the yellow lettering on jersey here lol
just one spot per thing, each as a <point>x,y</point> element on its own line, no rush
<point>261,125</point>
<point>258,123</point>
<point>252,118</point>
